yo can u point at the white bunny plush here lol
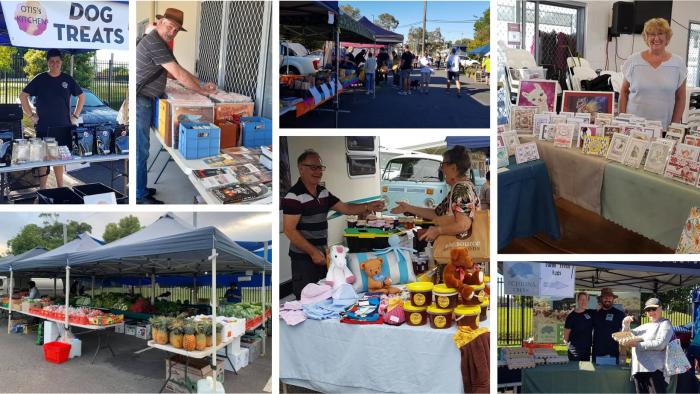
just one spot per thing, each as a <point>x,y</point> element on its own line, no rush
<point>338,271</point>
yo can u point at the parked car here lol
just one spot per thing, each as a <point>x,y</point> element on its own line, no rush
<point>95,110</point>
<point>465,62</point>
<point>295,59</point>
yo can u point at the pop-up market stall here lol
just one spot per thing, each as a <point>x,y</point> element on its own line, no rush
<point>166,247</point>
<point>102,25</point>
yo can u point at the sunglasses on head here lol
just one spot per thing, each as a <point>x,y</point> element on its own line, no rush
<point>650,309</point>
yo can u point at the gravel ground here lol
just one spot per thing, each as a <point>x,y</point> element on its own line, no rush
<point>25,370</point>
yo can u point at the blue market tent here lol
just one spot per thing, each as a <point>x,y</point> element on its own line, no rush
<point>482,50</point>
<point>469,142</point>
<point>381,35</point>
<point>7,262</point>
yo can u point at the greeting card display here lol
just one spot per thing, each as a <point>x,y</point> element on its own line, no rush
<point>682,170</point>
<point>603,119</point>
<point>564,135</point>
<point>538,121</point>
<point>522,118</point>
<point>548,131</point>
<point>596,145</point>
<point>541,94</point>
<point>659,153</point>
<point>526,152</point>
<point>589,102</point>
<point>618,143</point>
<point>502,156</point>
<point>511,140</point>
<point>686,151</point>
<point>585,116</point>
<point>608,131</point>
<point>643,134</point>
<point>499,140</point>
<point>561,118</point>
<point>584,130</point>
<point>635,152</point>
<point>690,236</point>
<point>692,140</point>
<point>675,132</point>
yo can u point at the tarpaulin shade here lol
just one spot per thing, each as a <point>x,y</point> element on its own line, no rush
<point>7,262</point>
<point>482,50</point>
<point>469,142</point>
<point>188,281</point>
<point>352,30</point>
<point>59,256</point>
<point>381,35</point>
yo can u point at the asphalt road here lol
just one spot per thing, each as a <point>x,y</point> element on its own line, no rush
<point>437,109</point>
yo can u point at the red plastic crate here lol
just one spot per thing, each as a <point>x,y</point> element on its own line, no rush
<point>56,352</point>
<point>252,323</point>
<point>532,346</point>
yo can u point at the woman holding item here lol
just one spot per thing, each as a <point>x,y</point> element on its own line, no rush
<point>654,84</point>
<point>453,216</point>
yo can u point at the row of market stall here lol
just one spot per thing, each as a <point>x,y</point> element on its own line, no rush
<point>166,248</point>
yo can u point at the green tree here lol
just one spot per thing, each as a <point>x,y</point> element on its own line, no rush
<point>677,300</point>
<point>83,71</point>
<point>350,11</point>
<point>482,30</point>
<point>434,41</point>
<point>48,235</point>
<point>387,21</point>
<point>125,226</point>
<point>6,54</point>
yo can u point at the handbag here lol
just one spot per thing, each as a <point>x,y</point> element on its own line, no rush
<point>676,361</point>
<point>476,241</point>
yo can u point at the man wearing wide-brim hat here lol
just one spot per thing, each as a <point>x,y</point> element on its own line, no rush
<point>154,60</point>
<point>606,321</point>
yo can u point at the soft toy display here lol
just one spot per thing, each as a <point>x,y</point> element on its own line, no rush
<point>376,282</point>
<point>462,274</point>
<point>338,271</point>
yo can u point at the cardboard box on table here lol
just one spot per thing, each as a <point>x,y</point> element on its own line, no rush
<point>227,116</point>
<point>203,113</point>
<point>164,122</point>
<point>197,369</point>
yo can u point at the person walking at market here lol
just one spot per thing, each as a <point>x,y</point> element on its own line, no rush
<point>606,321</point>
<point>578,330</point>
<point>452,65</point>
<point>453,216</point>
<point>405,70</point>
<point>154,60</point>
<point>383,64</point>
<point>425,72</point>
<point>305,209</point>
<point>370,71</point>
<point>486,64</point>
<point>53,118</point>
<point>654,79</point>
<point>649,348</point>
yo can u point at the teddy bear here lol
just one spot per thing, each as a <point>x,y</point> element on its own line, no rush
<point>376,282</point>
<point>461,273</point>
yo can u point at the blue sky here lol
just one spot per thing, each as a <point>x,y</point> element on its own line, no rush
<point>410,12</point>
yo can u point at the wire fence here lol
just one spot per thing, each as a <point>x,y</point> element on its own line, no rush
<point>110,82</point>
<point>187,294</point>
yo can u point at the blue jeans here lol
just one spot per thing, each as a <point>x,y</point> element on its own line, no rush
<point>370,81</point>
<point>144,114</point>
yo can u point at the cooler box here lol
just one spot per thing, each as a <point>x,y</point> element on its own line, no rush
<point>76,348</point>
<point>59,195</point>
<point>199,140</point>
<point>51,332</point>
<point>98,188</point>
<point>256,131</point>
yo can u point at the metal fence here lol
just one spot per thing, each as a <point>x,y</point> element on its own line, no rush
<point>203,293</point>
<point>515,317</point>
<point>110,82</point>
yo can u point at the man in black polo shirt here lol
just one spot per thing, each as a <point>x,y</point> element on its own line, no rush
<point>305,223</point>
<point>154,60</point>
<point>606,321</point>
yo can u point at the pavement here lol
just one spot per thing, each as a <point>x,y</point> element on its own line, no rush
<point>173,187</point>
<point>25,370</point>
<point>437,109</point>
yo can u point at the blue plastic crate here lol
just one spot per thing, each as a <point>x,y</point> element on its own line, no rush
<point>199,139</point>
<point>256,131</point>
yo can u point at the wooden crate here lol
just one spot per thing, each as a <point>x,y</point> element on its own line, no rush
<point>197,369</point>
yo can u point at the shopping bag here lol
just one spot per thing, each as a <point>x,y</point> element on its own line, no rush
<point>676,360</point>
<point>477,241</point>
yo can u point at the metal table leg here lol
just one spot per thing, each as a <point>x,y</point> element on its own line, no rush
<point>99,346</point>
<point>229,360</point>
<point>170,368</point>
<point>163,169</point>
<point>156,158</point>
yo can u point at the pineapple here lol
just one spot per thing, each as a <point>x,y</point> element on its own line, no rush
<point>219,333</point>
<point>176,329</point>
<point>207,332</point>
<point>159,327</point>
<point>189,342</point>
<point>201,335</point>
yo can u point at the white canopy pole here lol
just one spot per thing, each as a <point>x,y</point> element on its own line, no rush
<point>65,321</point>
<point>9,304</point>
<point>213,311</point>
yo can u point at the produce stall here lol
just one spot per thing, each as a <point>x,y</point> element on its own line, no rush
<point>167,246</point>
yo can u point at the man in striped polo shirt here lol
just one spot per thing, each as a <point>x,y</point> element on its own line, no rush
<point>154,60</point>
<point>305,220</point>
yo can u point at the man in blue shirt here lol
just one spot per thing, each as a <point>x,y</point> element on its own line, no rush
<point>53,90</point>
<point>233,294</point>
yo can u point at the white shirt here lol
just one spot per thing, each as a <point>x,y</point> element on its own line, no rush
<point>650,354</point>
<point>653,91</point>
<point>33,293</point>
<point>453,63</point>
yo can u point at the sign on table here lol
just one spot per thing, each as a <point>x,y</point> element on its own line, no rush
<point>68,25</point>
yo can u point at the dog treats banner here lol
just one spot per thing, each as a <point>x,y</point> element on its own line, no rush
<point>539,279</point>
<point>68,25</point>
<point>549,313</point>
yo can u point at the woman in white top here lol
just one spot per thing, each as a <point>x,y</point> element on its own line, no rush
<point>654,84</point>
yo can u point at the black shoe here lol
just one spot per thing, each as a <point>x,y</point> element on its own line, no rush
<point>151,191</point>
<point>149,200</point>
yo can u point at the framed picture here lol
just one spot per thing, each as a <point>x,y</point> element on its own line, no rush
<point>654,131</point>
<point>499,140</point>
<point>589,102</point>
<point>669,142</point>
<point>618,143</point>
<point>548,132</point>
<point>526,152</point>
<point>596,145</point>
<point>522,118</point>
<point>643,134</point>
<point>688,152</point>
<point>583,131</point>
<point>657,157</point>
<point>609,131</point>
<point>558,119</point>
<point>603,119</point>
<point>537,122</point>
<point>692,140</point>
<point>627,130</point>
<point>585,116</point>
<point>511,140</point>
<point>538,93</point>
<point>682,170</point>
<point>502,156</point>
<point>564,135</point>
<point>653,123</point>
<point>675,133</point>
<point>635,152</point>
